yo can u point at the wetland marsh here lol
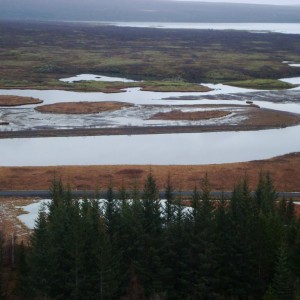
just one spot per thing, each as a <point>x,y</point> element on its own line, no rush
<point>203,79</point>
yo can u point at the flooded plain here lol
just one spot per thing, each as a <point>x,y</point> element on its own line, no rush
<point>180,149</point>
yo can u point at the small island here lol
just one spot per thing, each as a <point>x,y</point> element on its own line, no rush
<point>9,101</point>
<point>190,116</point>
<point>83,107</point>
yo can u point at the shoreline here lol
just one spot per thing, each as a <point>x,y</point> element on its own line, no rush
<point>134,130</point>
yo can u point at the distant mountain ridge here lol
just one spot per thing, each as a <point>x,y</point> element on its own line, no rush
<point>148,11</point>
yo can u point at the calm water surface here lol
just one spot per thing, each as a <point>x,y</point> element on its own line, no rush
<point>178,149</point>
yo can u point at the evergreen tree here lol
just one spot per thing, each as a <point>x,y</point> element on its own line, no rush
<point>219,250</point>
<point>122,195</point>
<point>223,243</point>
<point>245,228</point>
<point>56,193</point>
<point>62,226</point>
<point>270,294</point>
<point>295,253</point>
<point>269,236</point>
<point>86,248</point>
<point>23,287</point>
<point>205,188</point>
<point>169,195</point>
<point>203,250</point>
<point>111,212</point>
<point>290,212</point>
<point>1,264</point>
<point>265,194</point>
<point>175,251</point>
<point>99,257</point>
<point>135,194</point>
<point>283,279</point>
<point>195,203</point>
<point>130,235</point>
<point>39,256</point>
<point>151,240</point>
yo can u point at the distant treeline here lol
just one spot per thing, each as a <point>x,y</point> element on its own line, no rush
<point>139,247</point>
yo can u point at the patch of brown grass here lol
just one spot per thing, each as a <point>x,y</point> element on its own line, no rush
<point>190,116</point>
<point>6,100</point>
<point>11,208</point>
<point>82,107</point>
<point>285,171</point>
<point>131,172</point>
<point>269,117</point>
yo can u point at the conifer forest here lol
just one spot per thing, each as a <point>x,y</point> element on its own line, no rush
<point>132,245</point>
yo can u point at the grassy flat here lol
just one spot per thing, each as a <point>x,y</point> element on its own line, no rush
<point>173,86</point>
<point>153,86</point>
<point>262,84</point>
<point>37,55</point>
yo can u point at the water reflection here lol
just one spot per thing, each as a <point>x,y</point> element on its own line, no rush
<point>132,95</point>
<point>88,77</point>
<point>178,149</point>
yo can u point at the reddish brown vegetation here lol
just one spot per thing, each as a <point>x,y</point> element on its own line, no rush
<point>6,100</point>
<point>270,118</point>
<point>82,107</point>
<point>191,115</point>
<point>285,171</point>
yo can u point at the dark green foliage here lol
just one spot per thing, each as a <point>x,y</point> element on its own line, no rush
<point>270,294</point>
<point>169,196</point>
<point>286,211</point>
<point>23,285</point>
<point>175,274</point>
<point>283,278</point>
<point>141,249</point>
<point>265,194</point>
<point>202,253</point>
<point>244,245</point>
<point>223,244</point>
<point>151,239</point>
<point>195,202</point>
<point>39,263</point>
<point>111,211</point>
<point>123,196</point>
<point>71,255</point>
<point>1,264</point>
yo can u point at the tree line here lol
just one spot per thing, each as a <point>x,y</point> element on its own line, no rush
<point>136,246</point>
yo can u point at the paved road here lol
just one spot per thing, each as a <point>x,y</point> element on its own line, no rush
<point>80,193</point>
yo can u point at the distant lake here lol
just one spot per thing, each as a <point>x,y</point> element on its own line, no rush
<point>287,28</point>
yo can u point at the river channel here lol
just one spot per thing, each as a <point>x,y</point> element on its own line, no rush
<point>166,149</point>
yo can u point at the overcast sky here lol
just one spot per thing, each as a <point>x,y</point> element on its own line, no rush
<point>271,2</point>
